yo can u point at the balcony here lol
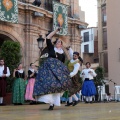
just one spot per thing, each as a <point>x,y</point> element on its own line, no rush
<point>47,5</point>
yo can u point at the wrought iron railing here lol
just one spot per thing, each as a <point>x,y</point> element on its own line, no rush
<point>47,5</point>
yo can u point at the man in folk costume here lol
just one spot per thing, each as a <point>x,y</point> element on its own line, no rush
<point>73,67</point>
<point>4,73</point>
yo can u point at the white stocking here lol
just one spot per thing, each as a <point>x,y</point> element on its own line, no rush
<point>90,98</point>
<point>87,99</point>
<point>75,97</point>
<point>70,99</point>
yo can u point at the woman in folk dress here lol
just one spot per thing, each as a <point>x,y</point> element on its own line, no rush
<point>19,86</point>
<point>29,89</point>
<point>53,76</point>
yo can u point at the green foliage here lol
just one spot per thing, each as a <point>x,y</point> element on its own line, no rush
<point>10,51</point>
<point>99,79</point>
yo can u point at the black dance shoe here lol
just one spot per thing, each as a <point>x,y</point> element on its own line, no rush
<point>69,104</point>
<point>2,104</point>
<point>91,102</point>
<point>75,103</point>
<point>33,103</point>
<point>51,107</point>
<point>86,102</point>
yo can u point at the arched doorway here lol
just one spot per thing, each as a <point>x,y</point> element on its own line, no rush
<point>3,38</point>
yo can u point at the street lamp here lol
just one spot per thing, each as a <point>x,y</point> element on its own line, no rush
<point>40,41</point>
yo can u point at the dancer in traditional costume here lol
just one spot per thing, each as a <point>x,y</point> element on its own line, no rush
<point>30,86</point>
<point>19,86</point>
<point>53,76</point>
<point>4,73</point>
<point>88,87</point>
<point>74,66</point>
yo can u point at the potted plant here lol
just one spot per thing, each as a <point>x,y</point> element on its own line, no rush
<point>11,52</point>
<point>99,79</point>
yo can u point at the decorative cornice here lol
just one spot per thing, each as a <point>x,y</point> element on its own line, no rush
<point>27,6</point>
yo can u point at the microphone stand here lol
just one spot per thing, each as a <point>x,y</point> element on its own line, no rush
<point>114,87</point>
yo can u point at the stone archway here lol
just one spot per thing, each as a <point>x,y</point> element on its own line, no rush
<point>7,33</point>
<point>12,34</point>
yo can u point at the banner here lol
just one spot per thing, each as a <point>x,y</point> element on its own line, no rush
<point>9,11</point>
<point>60,17</point>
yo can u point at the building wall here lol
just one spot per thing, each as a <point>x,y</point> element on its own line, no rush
<point>82,14</point>
<point>102,36</point>
<point>111,49</point>
<point>113,31</point>
<point>92,55</point>
<point>100,32</point>
<point>90,42</point>
<point>30,27</point>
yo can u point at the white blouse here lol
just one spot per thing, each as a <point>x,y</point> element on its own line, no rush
<point>85,73</point>
<point>71,53</point>
<point>60,51</point>
<point>1,71</point>
<point>76,66</point>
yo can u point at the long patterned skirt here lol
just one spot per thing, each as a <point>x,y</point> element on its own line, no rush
<point>29,89</point>
<point>52,79</point>
<point>76,87</point>
<point>18,90</point>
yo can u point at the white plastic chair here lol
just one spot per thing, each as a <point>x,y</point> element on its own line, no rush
<point>102,93</point>
<point>81,97</point>
<point>117,93</point>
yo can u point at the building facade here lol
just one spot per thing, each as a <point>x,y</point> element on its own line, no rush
<point>113,28</point>
<point>30,26</point>
<point>102,36</point>
<point>89,46</point>
<point>108,39</point>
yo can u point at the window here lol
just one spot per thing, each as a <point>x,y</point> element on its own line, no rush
<point>104,17</point>
<point>86,36</point>
<point>86,48</point>
<point>106,62</point>
<point>104,39</point>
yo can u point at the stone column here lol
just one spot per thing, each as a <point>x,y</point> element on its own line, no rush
<point>100,35</point>
<point>75,38</point>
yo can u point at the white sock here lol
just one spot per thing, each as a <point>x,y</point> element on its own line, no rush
<point>51,104</point>
<point>90,98</point>
<point>75,97</point>
<point>87,99</point>
<point>70,99</point>
<point>83,98</point>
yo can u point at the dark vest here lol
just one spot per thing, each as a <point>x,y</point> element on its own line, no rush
<point>4,71</point>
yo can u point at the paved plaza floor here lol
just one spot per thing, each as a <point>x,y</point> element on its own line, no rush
<point>96,111</point>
